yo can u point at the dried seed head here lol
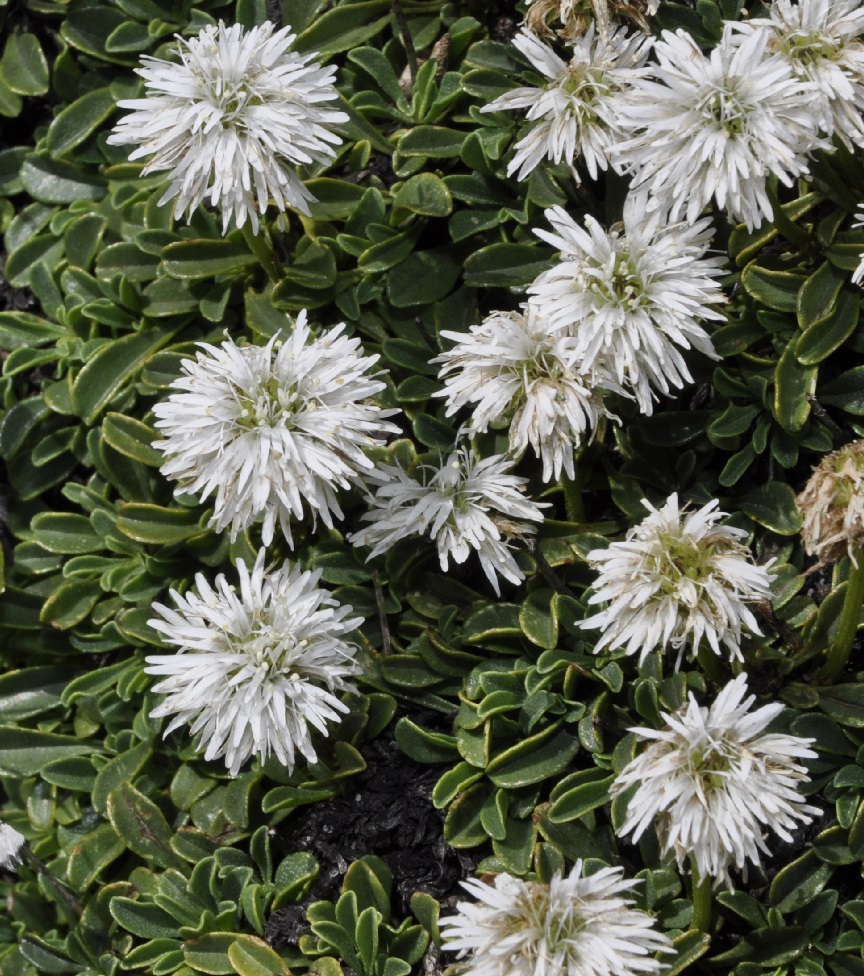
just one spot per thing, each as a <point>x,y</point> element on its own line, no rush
<point>832,504</point>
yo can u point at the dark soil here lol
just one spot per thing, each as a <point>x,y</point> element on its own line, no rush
<point>387,812</point>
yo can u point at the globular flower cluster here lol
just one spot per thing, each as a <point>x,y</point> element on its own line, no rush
<point>516,368</point>
<point>574,112</point>
<point>464,504</point>
<point>226,119</point>
<point>573,926</point>
<point>678,578</point>
<point>255,671</point>
<point>631,298</point>
<point>275,430</point>
<point>713,783</point>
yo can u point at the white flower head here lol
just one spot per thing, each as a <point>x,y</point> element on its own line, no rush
<point>858,274</point>
<point>713,786</point>
<point>227,119</point>
<point>632,298</point>
<point>832,504</point>
<point>459,504</point>
<point>820,41</point>
<point>676,579</point>
<point>576,15</point>
<point>256,669</point>
<point>574,111</point>
<point>273,430</point>
<point>11,843</point>
<point>573,926</point>
<point>514,367</point>
<point>716,127</point>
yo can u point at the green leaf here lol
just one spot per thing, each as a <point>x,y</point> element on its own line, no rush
<point>462,825</point>
<point>144,919</point>
<point>823,336</point>
<point>209,953</point>
<point>425,194</point>
<point>23,330</point>
<point>424,278</point>
<point>157,526</point>
<point>71,603</point>
<point>774,506</point>
<point>580,800</point>
<point>454,782</point>
<point>121,769</point>
<point>23,67</point>
<point>422,745</point>
<point>845,392</point>
<point>132,438</point>
<point>776,289</point>
<point>434,433</point>
<point>431,141</point>
<point>344,27</point>
<point>141,825</point>
<point>688,948</point>
<point>51,180</point>
<point>66,533</point>
<point>206,258</point>
<point>844,703</point>
<point>92,854</point>
<point>111,367</point>
<point>253,957</point>
<point>818,296</point>
<point>534,759</point>
<point>506,265</point>
<point>794,383</point>
<point>78,121</point>
<point>30,691</point>
<point>46,958</point>
<point>797,884</point>
<point>539,620</point>
<point>24,752</point>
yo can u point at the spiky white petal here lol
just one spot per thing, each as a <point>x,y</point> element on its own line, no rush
<point>515,368</point>
<point>255,669</point>
<point>632,298</point>
<point>226,119</point>
<point>574,926</point>
<point>716,127</point>
<point>676,579</point>
<point>459,504</point>
<point>858,274</point>
<point>820,41</point>
<point>273,430</point>
<point>573,111</point>
<point>714,787</point>
<point>11,843</point>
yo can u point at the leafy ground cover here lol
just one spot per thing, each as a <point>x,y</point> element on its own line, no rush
<point>486,734</point>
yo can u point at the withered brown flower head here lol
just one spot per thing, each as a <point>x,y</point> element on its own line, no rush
<point>576,16</point>
<point>832,504</point>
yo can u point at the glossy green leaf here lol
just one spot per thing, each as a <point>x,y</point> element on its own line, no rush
<point>23,67</point>
<point>142,826</point>
<point>78,121</point>
<point>773,505</point>
<point>253,957</point>
<point>206,258</point>
<point>24,752</point>
<point>506,265</point>
<point>112,366</point>
<point>794,384</point>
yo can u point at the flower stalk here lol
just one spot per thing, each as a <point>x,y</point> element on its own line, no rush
<point>850,619</point>
<point>701,901</point>
<point>262,250</point>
